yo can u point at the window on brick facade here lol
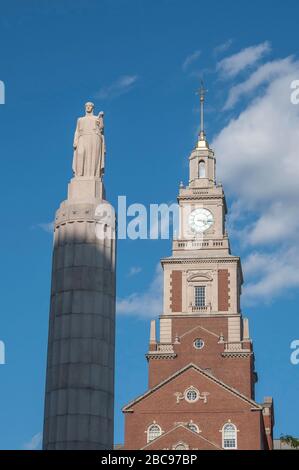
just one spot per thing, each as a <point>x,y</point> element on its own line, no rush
<point>198,343</point>
<point>153,432</point>
<point>202,169</point>
<point>193,427</point>
<point>229,436</point>
<point>199,296</point>
<point>181,446</point>
<point>191,394</point>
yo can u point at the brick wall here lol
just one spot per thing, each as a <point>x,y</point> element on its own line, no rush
<point>223,290</point>
<point>235,371</point>
<point>222,406</point>
<point>176,291</point>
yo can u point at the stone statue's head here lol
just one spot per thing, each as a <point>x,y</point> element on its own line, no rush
<point>89,107</point>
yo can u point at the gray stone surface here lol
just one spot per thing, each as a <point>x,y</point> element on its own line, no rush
<point>80,366</point>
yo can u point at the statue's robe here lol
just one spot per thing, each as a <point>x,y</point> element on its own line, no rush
<point>89,146</point>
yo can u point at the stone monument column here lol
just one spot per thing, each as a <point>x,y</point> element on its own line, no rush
<point>79,401</point>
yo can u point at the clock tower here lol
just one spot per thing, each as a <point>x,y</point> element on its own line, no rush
<point>201,367</point>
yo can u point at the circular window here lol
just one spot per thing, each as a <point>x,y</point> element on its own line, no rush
<point>198,343</point>
<point>191,394</point>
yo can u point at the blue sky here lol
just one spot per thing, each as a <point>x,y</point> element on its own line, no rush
<point>140,61</point>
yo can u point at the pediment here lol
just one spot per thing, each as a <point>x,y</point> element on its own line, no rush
<point>129,408</point>
<point>199,276</point>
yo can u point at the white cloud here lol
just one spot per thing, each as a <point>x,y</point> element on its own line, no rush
<point>270,275</point>
<point>46,227</point>
<point>257,150</point>
<point>223,47</point>
<point>121,86</point>
<point>263,75</point>
<point>190,59</point>
<point>34,443</point>
<point>230,66</point>
<point>258,162</point>
<point>144,304</point>
<point>273,224</point>
<point>134,270</point>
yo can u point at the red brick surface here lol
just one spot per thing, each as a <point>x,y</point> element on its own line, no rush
<point>180,434</point>
<point>176,291</point>
<point>222,405</point>
<point>223,290</point>
<point>210,357</point>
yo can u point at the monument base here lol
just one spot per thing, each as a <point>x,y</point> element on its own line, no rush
<point>85,189</point>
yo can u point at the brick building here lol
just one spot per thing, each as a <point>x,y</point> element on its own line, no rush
<point>201,370</point>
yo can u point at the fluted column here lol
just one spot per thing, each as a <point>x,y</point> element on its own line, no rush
<point>79,401</point>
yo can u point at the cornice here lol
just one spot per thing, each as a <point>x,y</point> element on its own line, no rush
<point>237,354</point>
<point>200,196</point>
<point>194,259</point>
<point>200,315</point>
<point>158,355</point>
<point>254,405</point>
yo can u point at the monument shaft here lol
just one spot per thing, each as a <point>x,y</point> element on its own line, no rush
<point>79,401</point>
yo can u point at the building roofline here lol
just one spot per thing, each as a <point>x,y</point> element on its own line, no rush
<point>128,408</point>
<point>188,430</point>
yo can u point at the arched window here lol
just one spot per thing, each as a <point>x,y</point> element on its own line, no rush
<point>181,446</point>
<point>153,431</point>
<point>193,427</point>
<point>202,169</point>
<point>229,436</point>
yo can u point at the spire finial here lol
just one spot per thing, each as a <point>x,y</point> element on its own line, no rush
<point>201,92</point>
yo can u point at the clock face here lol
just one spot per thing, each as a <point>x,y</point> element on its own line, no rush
<point>200,220</point>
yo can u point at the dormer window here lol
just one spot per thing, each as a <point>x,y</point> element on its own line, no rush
<point>202,169</point>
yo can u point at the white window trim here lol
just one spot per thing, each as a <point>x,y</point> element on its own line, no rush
<point>180,443</point>
<point>193,424</point>
<point>229,423</point>
<point>203,344</point>
<point>193,389</point>
<point>148,432</point>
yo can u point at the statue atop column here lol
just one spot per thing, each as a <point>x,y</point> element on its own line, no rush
<point>89,144</point>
